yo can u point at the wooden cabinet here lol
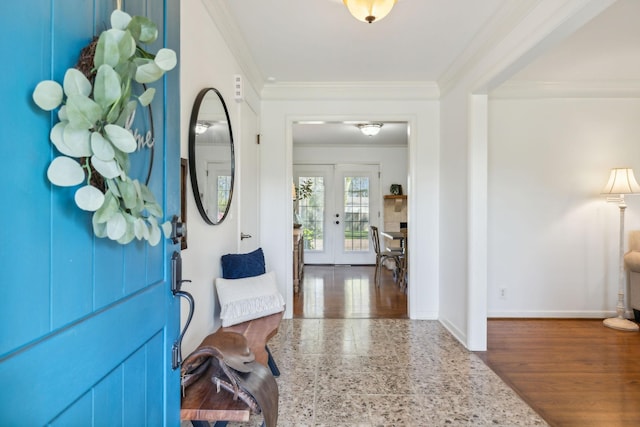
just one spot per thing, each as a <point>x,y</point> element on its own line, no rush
<point>298,258</point>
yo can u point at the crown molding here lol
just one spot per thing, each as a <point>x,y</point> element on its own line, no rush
<point>494,30</point>
<point>226,24</point>
<point>284,91</point>
<point>523,33</point>
<point>567,89</point>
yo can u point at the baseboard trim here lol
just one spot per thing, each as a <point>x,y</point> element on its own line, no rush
<point>453,330</point>
<point>424,315</point>
<point>596,314</point>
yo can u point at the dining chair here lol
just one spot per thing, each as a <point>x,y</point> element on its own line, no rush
<point>382,256</point>
<point>404,263</point>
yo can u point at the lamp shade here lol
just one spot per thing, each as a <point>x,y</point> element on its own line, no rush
<point>369,10</point>
<point>621,181</point>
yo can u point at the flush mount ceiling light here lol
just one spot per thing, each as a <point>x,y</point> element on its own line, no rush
<point>369,10</point>
<point>201,127</point>
<point>370,129</point>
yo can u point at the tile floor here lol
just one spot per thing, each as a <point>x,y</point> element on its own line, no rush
<point>386,372</point>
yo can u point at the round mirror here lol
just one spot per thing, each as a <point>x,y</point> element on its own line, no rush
<point>211,158</point>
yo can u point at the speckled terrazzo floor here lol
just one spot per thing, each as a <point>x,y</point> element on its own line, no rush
<point>383,372</point>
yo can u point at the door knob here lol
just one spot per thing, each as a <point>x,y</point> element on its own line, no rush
<point>337,222</point>
<point>337,215</point>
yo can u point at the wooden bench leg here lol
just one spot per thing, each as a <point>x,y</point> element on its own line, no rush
<point>272,363</point>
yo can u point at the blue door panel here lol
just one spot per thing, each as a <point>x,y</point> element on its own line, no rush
<point>109,273</point>
<point>135,276</point>
<point>26,285</point>
<point>130,395</point>
<point>154,267</point>
<point>70,263</point>
<point>107,400</point>
<point>87,324</point>
<point>77,415</point>
<point>70,38</point>
<point>155,379</point>
<point>171,152</point>
<point>107,338</point>
<point>134,401</point>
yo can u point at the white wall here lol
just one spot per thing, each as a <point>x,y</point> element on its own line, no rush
<point>553,239</point>
<point>205,61</point>
<point>464,242</point>
<point>277,159</point>
<point>453,245</point>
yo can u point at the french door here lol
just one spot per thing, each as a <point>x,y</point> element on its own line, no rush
<point>344,201</point>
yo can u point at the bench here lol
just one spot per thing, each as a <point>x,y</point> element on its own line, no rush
<point>201,403</point>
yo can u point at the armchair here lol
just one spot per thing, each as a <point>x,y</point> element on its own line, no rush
<point>632,263</point>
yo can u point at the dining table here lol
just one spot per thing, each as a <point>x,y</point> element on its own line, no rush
<point>400,273</point>
<point>396,235</point>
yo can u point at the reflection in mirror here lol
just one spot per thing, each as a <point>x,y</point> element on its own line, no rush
<point>211,156</point>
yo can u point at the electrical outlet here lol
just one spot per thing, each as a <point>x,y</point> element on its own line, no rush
<point>503,293</point>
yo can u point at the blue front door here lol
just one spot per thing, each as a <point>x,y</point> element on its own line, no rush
<point>86,325</point>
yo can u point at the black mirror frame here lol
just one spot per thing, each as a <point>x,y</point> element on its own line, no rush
<point>192,155</point>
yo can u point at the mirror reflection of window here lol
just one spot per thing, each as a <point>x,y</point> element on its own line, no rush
<point>224,192</point>
<point>218,189</point>
<point>211,156</point>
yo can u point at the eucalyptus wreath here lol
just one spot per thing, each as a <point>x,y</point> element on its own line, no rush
<point>92,136</point>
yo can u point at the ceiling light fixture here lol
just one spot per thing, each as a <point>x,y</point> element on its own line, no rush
<point>369,10</point>
<point>201,127</point>
<point>370,129</point>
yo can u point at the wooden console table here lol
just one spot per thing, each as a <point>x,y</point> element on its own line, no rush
<point>298,258</point>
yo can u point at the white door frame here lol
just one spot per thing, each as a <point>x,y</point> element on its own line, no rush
<point>247,174</point>
<point>430,128</point>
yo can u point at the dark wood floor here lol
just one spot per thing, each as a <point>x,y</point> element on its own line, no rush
<point>348,292</point>
<point>572,372</point>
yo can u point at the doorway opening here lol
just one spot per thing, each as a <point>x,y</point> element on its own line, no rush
<point>347,174</point>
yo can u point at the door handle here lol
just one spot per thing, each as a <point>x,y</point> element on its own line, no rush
<point>176,290</point>
<point>337,222</point>
<point>244,236</point>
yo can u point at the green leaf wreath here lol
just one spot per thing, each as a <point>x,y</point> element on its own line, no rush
<point>92,137</point>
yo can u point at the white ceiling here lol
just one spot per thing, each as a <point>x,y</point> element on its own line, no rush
<point>420,40</point>
<point>319,41</point>
<point>392,134</point>
<point>605,49</point>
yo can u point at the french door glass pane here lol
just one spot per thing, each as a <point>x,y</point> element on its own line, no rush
<point>311,213</point>
<point>356,213</point>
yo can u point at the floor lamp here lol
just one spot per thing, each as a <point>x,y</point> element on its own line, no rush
<point>621,182</point>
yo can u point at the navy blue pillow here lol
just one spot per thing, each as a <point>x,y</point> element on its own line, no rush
<point>237,266</point>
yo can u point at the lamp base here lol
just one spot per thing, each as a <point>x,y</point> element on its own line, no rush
<point>620,324</point>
